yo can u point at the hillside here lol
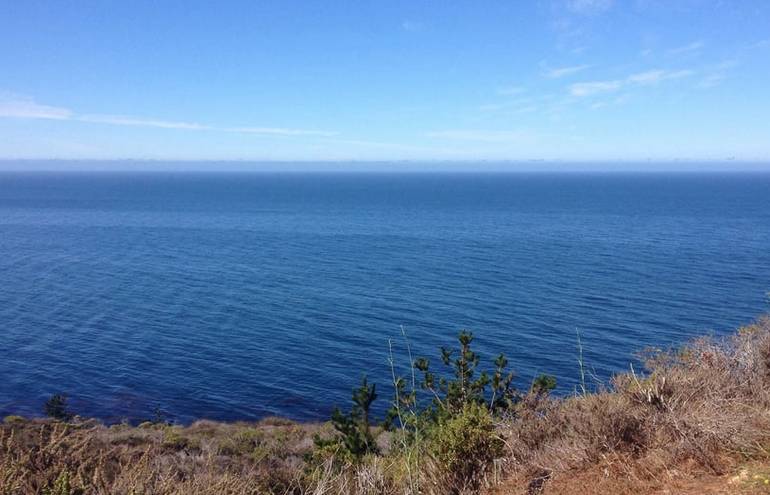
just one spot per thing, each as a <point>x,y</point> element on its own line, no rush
<point>697,420</point>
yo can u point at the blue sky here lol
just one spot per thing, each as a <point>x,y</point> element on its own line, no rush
<point>381,80</point>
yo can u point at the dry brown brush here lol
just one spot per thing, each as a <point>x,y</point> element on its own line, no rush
<point>699,410</point>
<point>51,457</point>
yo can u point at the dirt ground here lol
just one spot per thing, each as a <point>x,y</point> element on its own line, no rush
<point>750,479</point>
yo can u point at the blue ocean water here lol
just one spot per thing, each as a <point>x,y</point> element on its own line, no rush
<point>235,296</point>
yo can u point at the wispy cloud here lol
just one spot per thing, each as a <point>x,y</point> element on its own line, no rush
<point>412,26</point>
<point>594,87</point>
<point>652,77</point>
<point>572,22</point>
<point>716,74</point>
<point>493,107</point>
<point>726,64</point>
<point>485,136</point>
<point>589,6</point>
<point>191,126</point>
<point>647,78</point>
<point>140,122</point>
<point>515,107</point>
<point>560,72</point>
<point>711,80</point>
<point>688,48</point>
<point>617,100</point>
<point>23,107</point>
<point>278,131</point>
<point>511,90</point>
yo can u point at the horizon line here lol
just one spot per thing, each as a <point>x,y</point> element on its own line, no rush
<point>399,160</point>
<point>404,166</point>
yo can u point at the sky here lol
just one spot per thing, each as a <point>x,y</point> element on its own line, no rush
<point>575,80</point>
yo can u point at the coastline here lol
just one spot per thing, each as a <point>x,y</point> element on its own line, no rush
<point>700,414</point>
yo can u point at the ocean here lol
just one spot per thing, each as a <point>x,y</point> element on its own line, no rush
<point>235,296</point>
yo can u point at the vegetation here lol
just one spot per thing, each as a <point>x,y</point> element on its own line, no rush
<point>355,439</point>
<point>696,421</point>
<point>56,408</point>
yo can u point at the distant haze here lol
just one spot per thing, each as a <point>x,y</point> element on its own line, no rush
<point>403,166</point>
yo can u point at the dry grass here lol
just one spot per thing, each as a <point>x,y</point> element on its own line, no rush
<point>698,415</point>
<point>699,411</point>
<point>204,458</point>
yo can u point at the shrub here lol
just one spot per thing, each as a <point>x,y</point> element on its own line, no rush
<point>158,417</point>
<point>248,441</point>
<point>173,439</point>
<point>454,429</point>
<point>11,419</point>
<point>451,391</point>
<point>355,437</point>
<point>543,384</point>
<point>466,444</point>
<point>62,486</point>
<point>56,408</point>
<point>452,394</point>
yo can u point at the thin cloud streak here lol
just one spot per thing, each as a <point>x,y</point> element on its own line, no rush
<point>412,26</point>
<point>24,107</point>
<point>515,107</point>
<point>652,77</point>
<point>560,72</point>
<point>595,87</point>
<point>711,81</point>
<point>589,6</point>
<point>689,48</point>
<point>277,131</point>
<point>140,122</point>
<point>647,78</point>
<point>511,90</point>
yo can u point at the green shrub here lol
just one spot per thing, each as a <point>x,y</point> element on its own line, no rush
<point>174,440</point>
<point>13,419</point>
<point>451,420</point>
<point>468,386</point>
<point>56,408</point>
<point>158,417</point>
<point>466,444</point>
<point>543,384</point>
<point>451,392</point>
<point>62,486</point>
<point>247,442</point>
<point>355,438</point>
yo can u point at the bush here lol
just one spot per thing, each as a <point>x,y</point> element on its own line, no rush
<point>173,439</point>
<point>56,408</point>
<point>466,444</point>
<point>355,438</point>
<point>62,486</point>
<point>249,442</point>
<point>11,419</point>
<point>543,384</point>
<point>495,392</point>
<point>455,426</point>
